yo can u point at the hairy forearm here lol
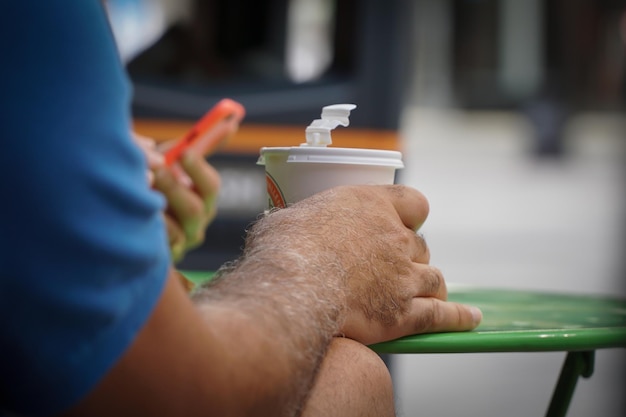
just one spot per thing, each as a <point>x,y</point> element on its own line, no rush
<point>291,306</point>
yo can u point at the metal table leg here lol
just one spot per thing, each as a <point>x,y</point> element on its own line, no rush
<point>576,364</point>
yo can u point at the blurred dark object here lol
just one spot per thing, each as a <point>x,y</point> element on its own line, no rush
<point>584,68</point>
<point>236,49</point>
<point>548,116</point>
<point>578,46</point>
<point>552,60</point>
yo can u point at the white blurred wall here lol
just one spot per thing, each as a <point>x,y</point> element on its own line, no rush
<point>501,217</point>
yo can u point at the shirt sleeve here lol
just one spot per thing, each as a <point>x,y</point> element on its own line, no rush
<point>83,247</point>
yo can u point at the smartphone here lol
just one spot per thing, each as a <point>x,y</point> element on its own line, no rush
<point>219,123</point>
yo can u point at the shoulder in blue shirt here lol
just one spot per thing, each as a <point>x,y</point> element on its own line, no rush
<point>83,248</point>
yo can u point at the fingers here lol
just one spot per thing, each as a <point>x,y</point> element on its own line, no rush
<point>184,204</point>
<point>205,178</point>
<point>411,205</point>
<point>176,237</point>
<point>148,146</point>
<point>429,312</point>
<point>426,315</point>
<point>206,182</point>
<point>190,189</point>
<point>431,315</point>
<point>427,281</point>
<point>418,249</point>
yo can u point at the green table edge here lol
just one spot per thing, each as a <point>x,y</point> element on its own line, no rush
<point>544,340</point>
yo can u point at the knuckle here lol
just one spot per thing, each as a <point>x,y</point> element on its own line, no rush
<point>404,236</point>
<point>423,252</point>
<point>398,190</point>
<point>396,235</point>
<point>459,318</point>
<point>430,281</point>
<point>463,317</point>
<point>427,316</point>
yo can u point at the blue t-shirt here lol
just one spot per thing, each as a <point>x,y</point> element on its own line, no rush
<point>83,247</point>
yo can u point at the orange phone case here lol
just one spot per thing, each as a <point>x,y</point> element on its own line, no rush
<point>210,131</point>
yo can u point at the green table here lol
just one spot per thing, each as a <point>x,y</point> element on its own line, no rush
<point>525,321</point>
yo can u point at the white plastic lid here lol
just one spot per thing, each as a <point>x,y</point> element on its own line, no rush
<point>315,149</point>
<point>330,155</point>
<point>318,132</point>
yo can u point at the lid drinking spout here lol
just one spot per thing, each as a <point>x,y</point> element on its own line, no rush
<point>318,132</point>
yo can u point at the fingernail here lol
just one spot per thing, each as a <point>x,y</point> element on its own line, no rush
<point>477,315</point>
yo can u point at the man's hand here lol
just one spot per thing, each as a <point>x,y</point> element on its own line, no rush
<point>190,208</point>
<point>365,237</point>
<point>190,188</point>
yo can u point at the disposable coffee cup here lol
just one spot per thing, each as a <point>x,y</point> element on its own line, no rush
<point>297,172</point>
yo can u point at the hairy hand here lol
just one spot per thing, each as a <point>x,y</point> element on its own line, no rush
<point>365,238</point>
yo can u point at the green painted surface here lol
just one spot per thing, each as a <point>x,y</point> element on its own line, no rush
<point>518,321</point>
<point>526,321</point>
<point>198,277</point>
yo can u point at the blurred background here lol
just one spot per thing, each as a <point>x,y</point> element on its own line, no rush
<point>510,115</point>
